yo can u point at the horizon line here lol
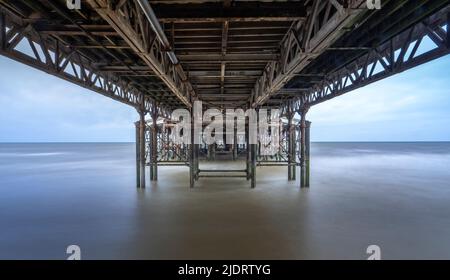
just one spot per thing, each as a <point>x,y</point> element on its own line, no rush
<point>129,142</point>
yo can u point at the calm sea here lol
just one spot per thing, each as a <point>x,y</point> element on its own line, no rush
<point>395,195</point>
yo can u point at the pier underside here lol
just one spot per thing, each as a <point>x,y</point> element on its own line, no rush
<point>158,56</point>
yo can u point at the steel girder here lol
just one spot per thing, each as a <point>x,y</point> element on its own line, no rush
<point>128,19</point>
<point>325,22</point>
<point>396,55</point>
<point>20,41</point>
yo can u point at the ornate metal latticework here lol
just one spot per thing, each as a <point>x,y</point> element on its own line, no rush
<point>158,56</point>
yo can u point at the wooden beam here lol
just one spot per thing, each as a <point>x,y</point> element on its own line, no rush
<point>218,58</point>
<point>237,11</point>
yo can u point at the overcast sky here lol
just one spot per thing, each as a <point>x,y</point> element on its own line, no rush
<point>412,106</point>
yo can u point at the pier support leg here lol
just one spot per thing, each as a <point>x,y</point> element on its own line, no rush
<point>307,151</point>
<point>154,150</point>
<point>191,166</point>
<point>253,153</point>
<point>235,143</point>
<point>211,151</point>
<point>141,139</point>
<point>196,161</point>
<point>247,147</point>
<point>192,154</point>
<point>294,153</point>
<point>138,156</point>
<point>291,146</point>
<point>303,169</point>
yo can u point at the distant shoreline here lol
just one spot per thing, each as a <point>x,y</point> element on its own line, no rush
<point>393,142</point>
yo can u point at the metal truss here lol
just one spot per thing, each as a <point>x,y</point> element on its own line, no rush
<point>159,150</point>
<point>281,154</point>
<point>396,55</point>
<point>20,41</point>
<point>306,40</point>
<point>168,151</point>
<point>129,20</point>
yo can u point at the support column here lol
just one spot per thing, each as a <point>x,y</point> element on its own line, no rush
<point>235,143</point>
<point>142,148</point>
<point>212,152</point>
<point>154,149</point>
<point>196,162</point>
<point>253,148</point>
<point>138,156</point>
<point>307,151</point>
<point>291,145</point>
<point>303,170</point>
<point>167,145</point>
<point>247,147</point>
<point>294,152</point>
<point>192,154</point>
<point>194,147</point>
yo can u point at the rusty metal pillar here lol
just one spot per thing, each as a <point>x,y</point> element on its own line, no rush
<point>303,169</point>
<point>294,151</point>
<point>291,145</point>
<point>196,117</point>
<point>247,148</point>
<point>154,149</point>
<point>192,171</point>
<point>196,162</point>
<point>211,151</point>
<point>253,154</point>
<point>235,143</point>
<point>138,157</point>
<point>141,139</point>
<point>307,151</point>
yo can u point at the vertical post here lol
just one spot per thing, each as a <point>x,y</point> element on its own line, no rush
<point>142,148</point>
<point>253,148</point>
<point>191,161</point>
<point>303,174</point>
<point>138,156</point>
<point>294,151</point>
<point>247,147</point>
<point>197,152</point>
<point>291,150</point>
<point>211,151</point>
<point>307,151</point>
<point>167,144</point>
<point>150,151</point>
<point>235,143</point>
<point>154,148</point>
<point>192,164</point>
